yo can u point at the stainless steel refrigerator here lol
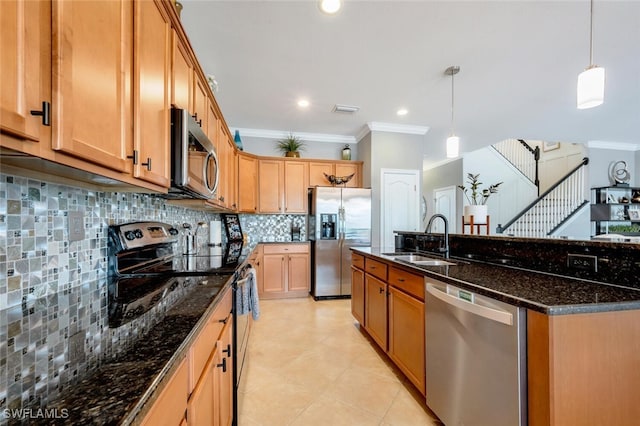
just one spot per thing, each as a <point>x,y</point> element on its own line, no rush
<point>339,218</point>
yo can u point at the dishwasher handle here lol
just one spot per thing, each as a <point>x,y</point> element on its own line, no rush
<point>483,311</point>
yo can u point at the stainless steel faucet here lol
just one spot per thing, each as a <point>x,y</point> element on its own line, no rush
<point>427,230</point>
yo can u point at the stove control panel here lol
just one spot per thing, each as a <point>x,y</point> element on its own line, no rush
<point>141,234</point>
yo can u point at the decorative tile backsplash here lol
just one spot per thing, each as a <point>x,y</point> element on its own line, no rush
<point>53,292</point>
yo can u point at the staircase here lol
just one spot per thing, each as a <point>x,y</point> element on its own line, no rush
<point>551,209</point>
<point>522,156</point>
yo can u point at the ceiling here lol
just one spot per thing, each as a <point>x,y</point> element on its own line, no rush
<point>519,64</point>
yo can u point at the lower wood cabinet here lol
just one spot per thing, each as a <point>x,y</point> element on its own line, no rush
<point>211,402</point>
<point>357,294</point>
<point>200,392</point>
<point>285,271</point>
<point>375,314</point>
<point>406,336</point>
<point>169,408</point>
<point>389,304</point>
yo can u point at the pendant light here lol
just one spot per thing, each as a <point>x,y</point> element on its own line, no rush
<point>591,80</point>
<point>453,141</point>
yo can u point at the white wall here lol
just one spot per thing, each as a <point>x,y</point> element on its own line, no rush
<point>313,149</point>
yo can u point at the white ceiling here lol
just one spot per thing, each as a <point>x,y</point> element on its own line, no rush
<point>519,64</point>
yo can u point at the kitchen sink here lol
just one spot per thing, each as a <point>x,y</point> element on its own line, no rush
<point>417,259</point>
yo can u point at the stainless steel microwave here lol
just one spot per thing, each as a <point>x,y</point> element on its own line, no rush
<point>194,163</point>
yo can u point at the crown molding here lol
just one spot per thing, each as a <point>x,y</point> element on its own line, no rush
<point>618,146</point>
<point>376,126</point>
<point>280,134</point>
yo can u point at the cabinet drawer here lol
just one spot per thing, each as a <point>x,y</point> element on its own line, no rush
<point>357,260</point>
<point>375,268</point>
<point>285,248</point>
<point>408,282</point>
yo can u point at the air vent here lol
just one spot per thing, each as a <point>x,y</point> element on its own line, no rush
<point>350,109</point>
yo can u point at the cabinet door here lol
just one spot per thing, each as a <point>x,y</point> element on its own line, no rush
<point>375,313</point>
<point>298,273</point>
<point>25,60</point>
<point>170,407</point>
<point>232,175</point>
<point>406,336</point>
<point>295,186</point>
<point>152,62</point>
<point>224,375</point>
<point>270,186</point>
<point>317,171</point>
<point>247,180</point>
<point>345,169</point>
<point>357,294</point>
<point>182,75</point>
<point>203,406</point>
<point>91,107</point>
<point>200,100</point>
<point>273,274</point>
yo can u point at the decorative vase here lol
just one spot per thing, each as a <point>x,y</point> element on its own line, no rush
<point>237,140</point>
<point>346,152</point>
<point>295,154</point>
<point>479,213</point>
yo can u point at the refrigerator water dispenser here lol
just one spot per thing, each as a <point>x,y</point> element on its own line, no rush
<point>328,226</point>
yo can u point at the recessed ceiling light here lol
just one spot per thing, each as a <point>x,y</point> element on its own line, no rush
<point>330,6</point>
<point>303,103</point>
<point>402,111</point>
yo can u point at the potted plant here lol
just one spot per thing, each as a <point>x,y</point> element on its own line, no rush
<point>478,200</point>
<point>291,146</point>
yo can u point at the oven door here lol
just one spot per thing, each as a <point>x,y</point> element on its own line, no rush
<point>194,163</point>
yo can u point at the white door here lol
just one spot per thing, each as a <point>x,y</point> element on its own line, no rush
<point>444,202</point>
<point>400,203</point>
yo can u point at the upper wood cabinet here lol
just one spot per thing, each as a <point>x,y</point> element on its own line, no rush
<point>152,61</point>
<point>25,60</point>
<point>295,186</point>
<point>200,100</point>
<point>92,55</point>
<point>318,169</point>
<point>181,74</point>
<point>346,169</point>
<point>247,183</point>
<point>270,186</point>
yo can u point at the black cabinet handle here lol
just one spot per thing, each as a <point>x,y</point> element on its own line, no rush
<point>224,321</point>
<point>148,163</point>
<point>134,157</point>
<point>228,350</point>
<point>381,290</point>
<point>401,280</point>
<point>223,364</point>
<point>45,113</point>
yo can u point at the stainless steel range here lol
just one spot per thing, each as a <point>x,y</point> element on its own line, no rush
<point>144,268</point>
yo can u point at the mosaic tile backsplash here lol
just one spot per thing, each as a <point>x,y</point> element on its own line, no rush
<point>53,292</point>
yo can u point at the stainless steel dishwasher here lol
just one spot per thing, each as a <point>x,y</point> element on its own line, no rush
<point>475,358</point>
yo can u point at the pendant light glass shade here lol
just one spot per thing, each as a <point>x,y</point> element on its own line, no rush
<point>591,87</point>
<point>453,141</point>
<point>591,81</point>
<point>453,146</point>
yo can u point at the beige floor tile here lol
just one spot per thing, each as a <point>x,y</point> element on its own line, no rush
<point>327,411</point>
<point>309,364</point>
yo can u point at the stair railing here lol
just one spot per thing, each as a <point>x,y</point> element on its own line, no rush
<point>551,209</point>
<point>522,156</point>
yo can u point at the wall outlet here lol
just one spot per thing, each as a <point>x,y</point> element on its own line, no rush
<point>582,261</point>
<point>76,226</point>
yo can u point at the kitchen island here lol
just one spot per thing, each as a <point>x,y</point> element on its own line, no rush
<point>583,336</point>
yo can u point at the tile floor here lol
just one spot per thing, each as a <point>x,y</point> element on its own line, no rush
<point>309,364</point>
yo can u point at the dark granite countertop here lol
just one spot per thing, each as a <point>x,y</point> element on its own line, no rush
<point>122,390</point>
<point>543,292</point>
